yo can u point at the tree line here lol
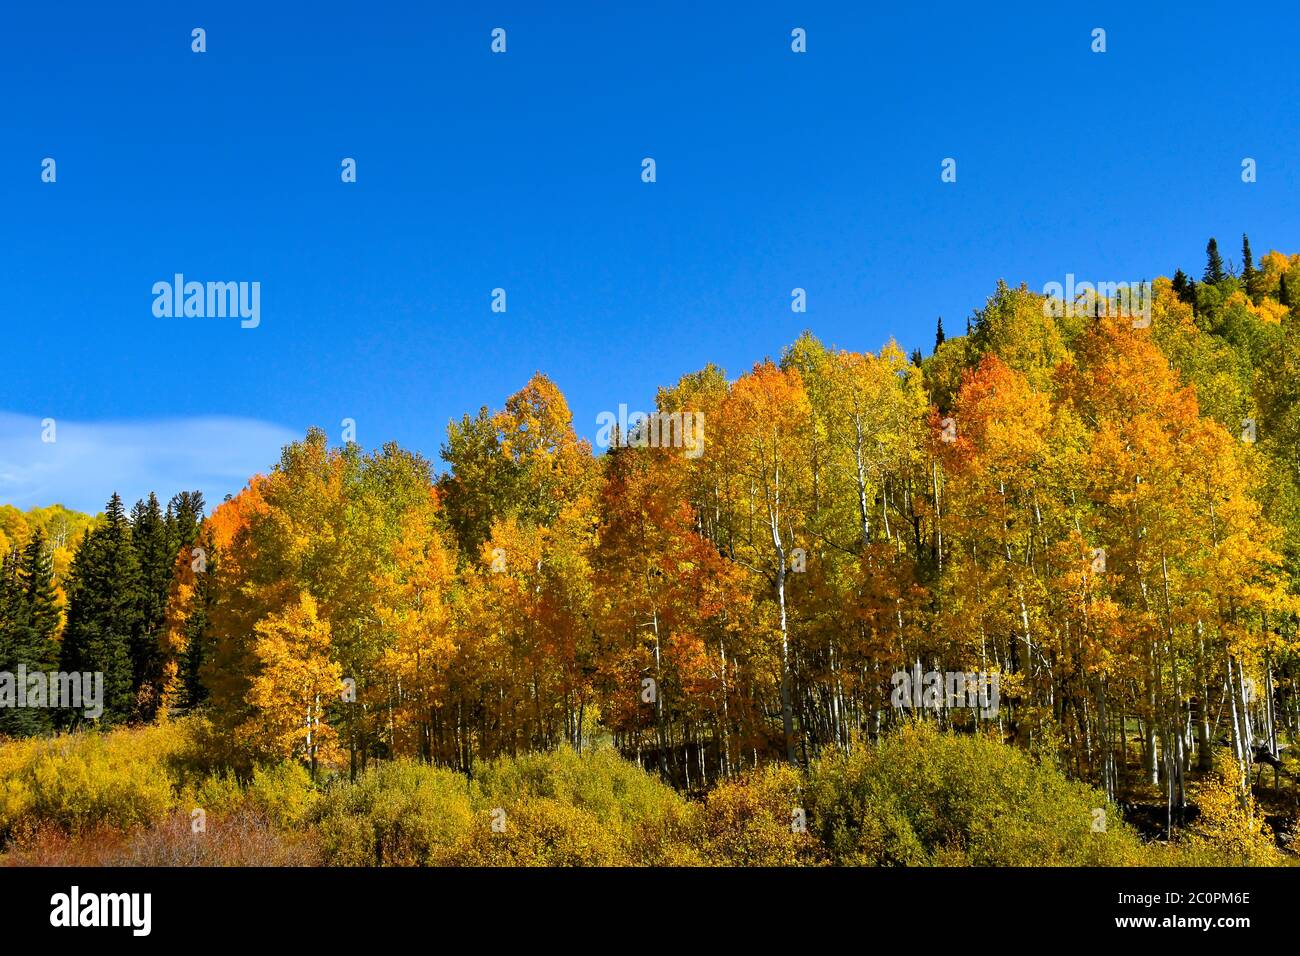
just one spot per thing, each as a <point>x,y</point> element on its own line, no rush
<point>103,612</point>
<point>1101,512</point>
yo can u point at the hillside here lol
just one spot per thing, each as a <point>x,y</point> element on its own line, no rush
<point>1073,531</point>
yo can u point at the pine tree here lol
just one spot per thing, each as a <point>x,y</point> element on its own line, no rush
<point>104,611</point>
<point>184,514</point>
<point>938,334</point>
<point>1284,293</point>
<point>1180,286</point>
<point>10,591</point>
<point>13,635</point>
<point>155,558</point>
<point>183,518</point>
<point>1248,273</point>
<point>1213,263</point>
<point>36,574</point>
<point>917,358</point>
<point>29,620</point>
<point>193,690</point>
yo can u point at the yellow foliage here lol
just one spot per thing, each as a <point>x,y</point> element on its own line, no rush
<point>74,781</point>
<point>1230,830</point>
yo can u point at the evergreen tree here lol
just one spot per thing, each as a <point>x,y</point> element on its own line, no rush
<point>1213,263</point>
<point>1284,295</point>
<point>13,624</point>
<point>917,358</point>
<point>194,691</point>
<point>1180,286</point>
<point>36,575</point>
<point>10,590</point>
<point>938,334</point>
<point>151,540</point>
<point>104,611</point>
<point>1248,273</point>
<point>184,514</point>
<point>29,620</point>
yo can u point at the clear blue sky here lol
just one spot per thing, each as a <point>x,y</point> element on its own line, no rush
<point>522,171</point>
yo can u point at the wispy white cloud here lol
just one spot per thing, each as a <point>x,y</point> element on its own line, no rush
<point>88,461</point>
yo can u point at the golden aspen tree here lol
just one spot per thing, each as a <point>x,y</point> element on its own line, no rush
<point>296,679</point>
<point>763,424</point>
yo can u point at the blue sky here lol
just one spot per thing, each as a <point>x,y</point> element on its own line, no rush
<point>475,171</point>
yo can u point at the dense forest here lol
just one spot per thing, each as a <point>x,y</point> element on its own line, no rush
<point>1103,512</point>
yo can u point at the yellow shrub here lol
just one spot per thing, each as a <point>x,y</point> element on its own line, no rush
<point>284,792</point>
<point>72,781</point>
<point>1230,830</point>
<point>401,813</point>
<point>540,831</point>
<point>648,820</point>
<point>751,821</point>
<point>220,792</point>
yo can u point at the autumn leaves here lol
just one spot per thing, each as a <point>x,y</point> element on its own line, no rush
<point>832,535</point>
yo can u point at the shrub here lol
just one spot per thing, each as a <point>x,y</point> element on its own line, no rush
<point>919,798</point>
<point>1230,830</point>
<point>540,831</point>
<point>560,809</point>
<point>283,793</point>
<point>749,821</point>
<point>76,781</point>
<point>243,838</point>
<point>219,792</point>
<point>401,813</point>
<point>928,798</point>
<point>647,820</point>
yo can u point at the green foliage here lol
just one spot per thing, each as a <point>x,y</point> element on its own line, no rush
<point>401,813</point>
<point>1015,326</point>
<point>155,558</point>
<point>284,793</point>
<point>116,571</point>
<point>943,370</point>
<point>639,819</point>
<point>104,611</point>
<point>1214,272</point>
<point>919,797</point>
<point>29,621</point>
<point>558,808</point>
<point>926,798</point>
